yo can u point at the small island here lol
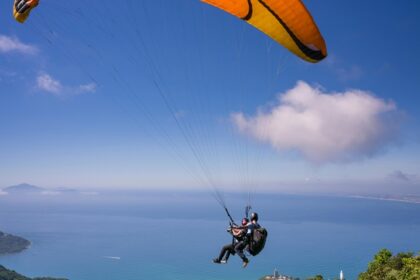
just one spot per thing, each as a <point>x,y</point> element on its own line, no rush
<point>10,244</point>
<point>6,274</point>
<point>23,189</point>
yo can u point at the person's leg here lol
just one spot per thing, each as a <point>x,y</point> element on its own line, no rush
<point>239,249</point>
<point>230,249</point>
<point>225,250</point>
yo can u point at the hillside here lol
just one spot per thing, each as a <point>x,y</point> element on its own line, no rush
<point>385,265</point>
<point>12,244</point>
<point>6,274</point>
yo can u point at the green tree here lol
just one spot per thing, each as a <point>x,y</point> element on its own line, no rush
<point>317,277</point>
<point>410,269</point>
<point>385,266</point>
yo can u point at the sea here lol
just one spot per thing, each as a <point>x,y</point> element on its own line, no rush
<point>159,235</point>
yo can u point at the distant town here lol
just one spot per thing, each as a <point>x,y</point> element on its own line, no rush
<point>397,198</point>
<point>277,276</point>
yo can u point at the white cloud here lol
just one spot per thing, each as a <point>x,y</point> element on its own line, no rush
<point>91,87</point>
<point>48,84</point>
<point>323,126</point>
<point>3,193</point>
<point>51,193</point>
<point>9,44</point>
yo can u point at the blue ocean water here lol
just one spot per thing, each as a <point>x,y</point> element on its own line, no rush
<point>162,236</point>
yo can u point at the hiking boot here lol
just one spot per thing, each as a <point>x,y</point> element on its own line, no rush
<point>245,263</point>
<point>216,260</point>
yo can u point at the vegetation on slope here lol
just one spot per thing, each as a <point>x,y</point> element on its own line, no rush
<point>6,274</point>
<point>12,244</point>
<point>385,266</point>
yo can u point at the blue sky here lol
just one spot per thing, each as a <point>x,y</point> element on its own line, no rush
<point>144,94</point>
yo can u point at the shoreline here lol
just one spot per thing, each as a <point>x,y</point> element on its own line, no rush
<point>14,239</point>
<point>385,199</point>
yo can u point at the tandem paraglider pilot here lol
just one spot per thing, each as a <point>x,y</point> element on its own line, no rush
<point>249,237</point>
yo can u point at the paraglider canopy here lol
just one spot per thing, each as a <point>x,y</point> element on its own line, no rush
<point>22,9</point>
<point>288,22</point>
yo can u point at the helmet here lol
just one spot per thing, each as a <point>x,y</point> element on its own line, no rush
<point>254,216</point>
<point>245,221</point>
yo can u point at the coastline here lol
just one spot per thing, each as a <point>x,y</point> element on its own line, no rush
<point>393,199</point>
<point>19,244</point>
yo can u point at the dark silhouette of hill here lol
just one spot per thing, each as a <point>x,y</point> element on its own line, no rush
<point>12,244</point>
<point>6,274</point>
<point>23,188</point>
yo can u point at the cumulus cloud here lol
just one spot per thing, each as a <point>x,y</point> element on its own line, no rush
<point>50,85</point>
<point>323,127</point>
<point>11,44</point>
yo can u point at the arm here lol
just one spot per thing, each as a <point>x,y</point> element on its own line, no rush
<point>238,231</point>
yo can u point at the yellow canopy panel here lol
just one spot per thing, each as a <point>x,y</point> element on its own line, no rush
<point>288,22</point>
<point>22,9</point>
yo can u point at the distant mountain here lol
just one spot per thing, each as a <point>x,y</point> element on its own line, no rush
<point>23,188</point>
<point>12,244</point>
<point>6,274</point>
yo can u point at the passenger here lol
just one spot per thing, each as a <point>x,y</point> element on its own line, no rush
<point>238,233</point>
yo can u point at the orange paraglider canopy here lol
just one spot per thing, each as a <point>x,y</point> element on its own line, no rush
<point>288,22</point>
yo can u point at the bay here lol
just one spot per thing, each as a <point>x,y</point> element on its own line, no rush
<point>174,235</point>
